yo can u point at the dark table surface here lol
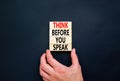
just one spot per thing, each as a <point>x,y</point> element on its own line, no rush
<point>24,31</point>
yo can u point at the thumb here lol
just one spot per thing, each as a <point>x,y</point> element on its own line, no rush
<point>74,57</point>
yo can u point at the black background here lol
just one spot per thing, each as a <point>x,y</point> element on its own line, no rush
<point>24,31</point>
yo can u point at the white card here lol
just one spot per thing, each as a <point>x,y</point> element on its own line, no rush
<point>60,36</point>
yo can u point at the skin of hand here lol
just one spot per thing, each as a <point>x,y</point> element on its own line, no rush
<point>51,70</point>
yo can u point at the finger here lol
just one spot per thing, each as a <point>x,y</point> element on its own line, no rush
<point>44,74</point>
<point>54,63</point>
<point>74,57</point>
<point>46,67</point>
<point>45,79</point>
<point>43,59</point>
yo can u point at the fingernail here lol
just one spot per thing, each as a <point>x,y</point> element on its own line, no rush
<point>73,51</point>
<point>46,50</point>
<point>43,54</point>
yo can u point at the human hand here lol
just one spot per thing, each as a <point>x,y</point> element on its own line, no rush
<point>52,70</point>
